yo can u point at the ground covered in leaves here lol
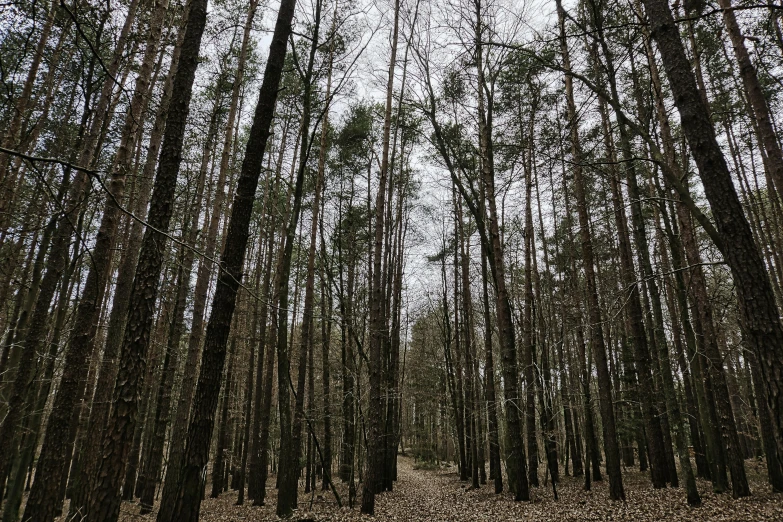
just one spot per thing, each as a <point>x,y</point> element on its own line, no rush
<point>438,495</point>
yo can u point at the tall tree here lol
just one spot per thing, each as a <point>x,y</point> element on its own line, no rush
<point>375,447</point>
<point>105,497</point>
<point>188,495</point>
<point>758,308</point>
<point>611,447</point>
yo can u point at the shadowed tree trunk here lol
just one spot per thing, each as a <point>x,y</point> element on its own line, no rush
<point>611,448</point>
<point>56,263</point>
<point>474,418</point>
<point>517,472</point>
<point>104,501</point>
<point>220,464</point>
<point>187,498</point>
<point>348,357</point>
<point>758,309</point>
<point>306,344</point>
<point>373,479</point>
<point>87,464</point>
<point>263,392</point>
<point>251,398</point>
<point>326,334</point>
<point>82,342</point>
<point>291,429</point>
<point>154,454</point>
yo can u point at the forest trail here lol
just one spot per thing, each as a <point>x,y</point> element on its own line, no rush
<point>423,495</point>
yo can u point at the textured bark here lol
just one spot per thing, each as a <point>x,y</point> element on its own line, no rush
<point>774,467</point>
<point>154,462</point>
<point>58,256</point>
<point>104,501</point>
<point>203,276</point>
<point>101,401</point>
<point>188,494</point>
<point>758,309</point>
<point>133,479</point>
<point>81,343</point>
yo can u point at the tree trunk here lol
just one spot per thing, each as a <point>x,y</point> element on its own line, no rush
<point>474,419</point>
<point>767,136</point>
<point>105,498</point>
<point>373,479</point>
<point>82,341</point>
<point>188,500</point>
<point>219,466</point>
<point>611,448</point>
<point>489,370</point>
<point>758,309</point>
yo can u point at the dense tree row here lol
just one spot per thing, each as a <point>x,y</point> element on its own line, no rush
<point>614,276</point>
<point>532,242</point>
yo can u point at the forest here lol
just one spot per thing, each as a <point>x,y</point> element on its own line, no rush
<point>391,259</point>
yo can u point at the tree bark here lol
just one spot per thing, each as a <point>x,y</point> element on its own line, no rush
<point>758,308</point>
<point>188,498</point>
<point>104,501</point>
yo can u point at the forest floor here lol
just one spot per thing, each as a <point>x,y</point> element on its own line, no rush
<point>438,495</point>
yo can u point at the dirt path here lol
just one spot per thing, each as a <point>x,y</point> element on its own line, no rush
<point>438,496</point>
<point>427,495</point>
